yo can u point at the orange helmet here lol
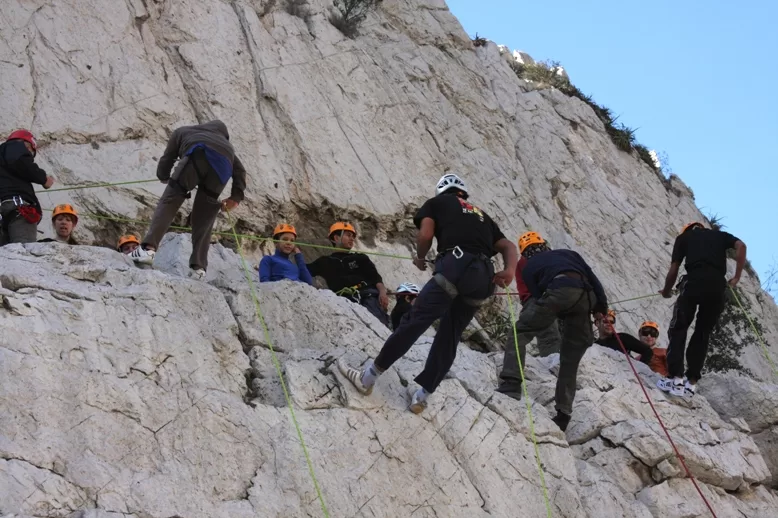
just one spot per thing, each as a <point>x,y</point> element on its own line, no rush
<point>649,323</point>
<point>284,228</point>
<point>530,238</point>
<point>691,225</point>
<point>64,208</point>
<point>611,313</point>
<point>340,226</point>
<point>127,239</point>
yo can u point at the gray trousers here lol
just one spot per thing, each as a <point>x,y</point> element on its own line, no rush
<point>573,305</point>
<point>205,208</point>
<point>18,229</point>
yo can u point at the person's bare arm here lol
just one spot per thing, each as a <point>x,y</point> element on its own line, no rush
<point>510,256</point>
<point>672,276</point>
<point>424,242</point>
<point>740,260</point>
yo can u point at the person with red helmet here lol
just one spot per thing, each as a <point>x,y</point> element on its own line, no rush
<point>19,207</point>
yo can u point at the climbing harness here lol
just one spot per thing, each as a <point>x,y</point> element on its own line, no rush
<point>353,292</point>
<point>277,364</point>
<point>664,429</point>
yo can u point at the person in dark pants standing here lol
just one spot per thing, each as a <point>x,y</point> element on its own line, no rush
<point>207,161</point>
<point>351,274</point>
<point>20,211</point>
<point>701,290</point>
<point>564,287</point>
<point>463,279</point>
<point>607,338</point>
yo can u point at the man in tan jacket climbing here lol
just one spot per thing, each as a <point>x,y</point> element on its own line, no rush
<point>207,161</point>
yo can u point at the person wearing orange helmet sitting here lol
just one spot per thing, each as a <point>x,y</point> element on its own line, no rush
<point>127,244</point>
<point>19,208</point>
<point>280,265</point>
<point>607,338</point>
<point>64,219</point>
<point>648,333</point>
<point>352,275</point>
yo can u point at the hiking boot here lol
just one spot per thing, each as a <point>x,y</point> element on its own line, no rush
<point>674,386</point>
<point>561,420</point>
<point>418,403</point>
<point>511,389</point>
<point>197,274</point>
<point>355,377</point>
<point>142,256</point>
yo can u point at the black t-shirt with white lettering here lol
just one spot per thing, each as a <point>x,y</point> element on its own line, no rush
<point>704,250</point>
<point>460,223</point>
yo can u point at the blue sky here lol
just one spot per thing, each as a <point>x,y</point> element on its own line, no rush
<point>698,79</point>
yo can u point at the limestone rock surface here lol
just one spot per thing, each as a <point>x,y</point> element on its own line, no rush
<point>141,393</point>
<point>332,127</point>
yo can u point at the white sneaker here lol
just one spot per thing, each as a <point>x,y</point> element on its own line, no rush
<point>689,390</point>
<point>197,274</point>
<point>675,386</point>
<point>355,377</point>
<point>142,256</point>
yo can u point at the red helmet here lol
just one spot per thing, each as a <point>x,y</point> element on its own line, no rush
<point>23,134</point>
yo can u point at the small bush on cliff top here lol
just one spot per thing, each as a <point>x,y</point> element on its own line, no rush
<point>350,15</point>
<point>548,73</point>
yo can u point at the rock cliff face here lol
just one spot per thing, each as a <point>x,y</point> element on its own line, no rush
<point>333,127</point>
<point>140,393</point>
<point>134,393</point>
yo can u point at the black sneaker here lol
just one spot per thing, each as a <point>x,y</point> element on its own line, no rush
<point>561,420</point>
<point>511,389</point>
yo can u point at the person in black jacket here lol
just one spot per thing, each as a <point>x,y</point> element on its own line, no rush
<point>351,274</point>
<point>702,291</point>
<point>19,207</point>
<point>607,338</point>
<point>464,278</point>
<point>564,287</point>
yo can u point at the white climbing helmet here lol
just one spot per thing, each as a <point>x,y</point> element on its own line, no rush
<point>409,288</point>
<point>450,181</point>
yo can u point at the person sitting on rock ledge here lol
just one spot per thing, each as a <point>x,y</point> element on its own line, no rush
<point>648,333</point>
<point>564,287</point>
<point>280,265</point>
<point>207,161</point>
<point>64,219</point>
<point>351,274</point>
<point>406,295</point>
<point>20,211</point>
<point>464,277</point>
<point>127,244</point>
<point>607,338</point>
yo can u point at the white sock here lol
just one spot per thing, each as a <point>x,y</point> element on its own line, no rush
<point>370,374</point>
<point>678,381</point>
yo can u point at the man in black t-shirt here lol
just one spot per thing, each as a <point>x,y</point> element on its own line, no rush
<point>701,290</point>
<point>463,279</point>
<point>351,274</point>
<point>607,338</point>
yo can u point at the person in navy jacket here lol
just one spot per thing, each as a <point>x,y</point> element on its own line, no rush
<point>282,264</point>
